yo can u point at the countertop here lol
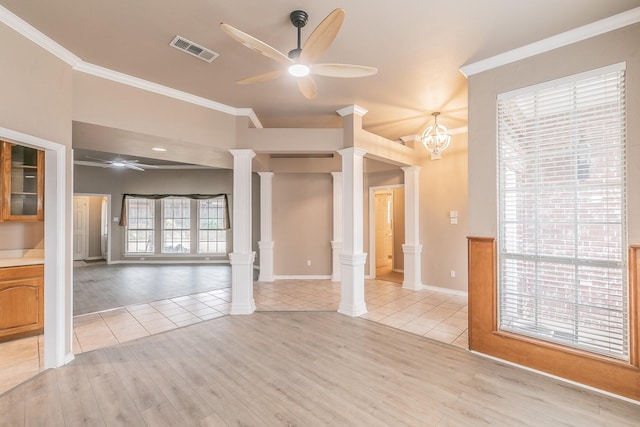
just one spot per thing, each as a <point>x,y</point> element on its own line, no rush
<point>17,262</point>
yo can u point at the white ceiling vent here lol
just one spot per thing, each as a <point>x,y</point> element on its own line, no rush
<point>193,49</point>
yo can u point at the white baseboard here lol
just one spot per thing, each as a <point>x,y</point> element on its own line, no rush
<point>397,270</point>
<point>92,258</point>
<point>170,261</point>
<point>445,290</point>
<point>295,277</point>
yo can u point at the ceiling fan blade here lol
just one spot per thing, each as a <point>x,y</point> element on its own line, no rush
<point>271,75</point>
<point>307,87</point>
<point>255,44</point>
<point>130,166</point>
<point>342,70</point>
<point>145,166</point>
<point>322,37</point>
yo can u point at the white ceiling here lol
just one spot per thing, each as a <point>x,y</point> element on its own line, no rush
<point>417,46</point>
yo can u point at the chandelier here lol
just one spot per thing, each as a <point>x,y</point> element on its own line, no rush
<point>436,138</point>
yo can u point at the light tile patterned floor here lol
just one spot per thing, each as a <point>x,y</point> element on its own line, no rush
<point>435,315</point>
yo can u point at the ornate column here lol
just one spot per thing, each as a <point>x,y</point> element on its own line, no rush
<point>352,258</point>
<point>336,243</point>
<point>242,256</point>
<point>412,248</point>
<point>266,240</point>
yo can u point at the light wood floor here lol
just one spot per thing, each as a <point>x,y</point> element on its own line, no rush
<point>304,369</point>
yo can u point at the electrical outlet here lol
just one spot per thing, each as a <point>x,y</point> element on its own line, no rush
<point>452,273</point>
<point>308,263</point>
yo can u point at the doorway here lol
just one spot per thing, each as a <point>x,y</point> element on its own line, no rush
<point>386,213</point>
<point>91,231</point>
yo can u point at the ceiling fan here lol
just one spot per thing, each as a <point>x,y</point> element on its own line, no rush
<point>300,62</point>
<point>120,163</point>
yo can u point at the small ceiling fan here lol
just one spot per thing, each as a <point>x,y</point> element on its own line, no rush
<point>300,62</point>
<point>124,164</point>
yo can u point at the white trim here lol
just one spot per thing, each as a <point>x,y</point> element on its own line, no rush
<point>58,293</point>
<point>444,290</point>
<point>109,225</point>
<point>170,261</point>
<point>105,73</point>
<point>548,375</point>
<point>33,34</point>
<point>28,31</point>
<point>352,109</point>
<point>301,277</point>
<point>584,32</point>
<point>620,66</point>
<point>372,225</point>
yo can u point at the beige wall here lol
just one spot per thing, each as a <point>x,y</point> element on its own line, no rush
<point>197,134</point>
<point>302,224</point>
<point>95,180</point>
<point>95,222</point>
<point>36,89</point>
<point>444,188</point>
<point>610,48</point>
<point>21,235</point>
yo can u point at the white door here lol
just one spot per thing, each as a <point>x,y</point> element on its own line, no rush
<point>384,229</point>
<point>104,228</point>
<point>80,228</point>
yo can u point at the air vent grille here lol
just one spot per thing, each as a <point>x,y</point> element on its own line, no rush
<point>193,49</point>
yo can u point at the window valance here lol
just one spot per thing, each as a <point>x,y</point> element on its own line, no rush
<point>123,212</point>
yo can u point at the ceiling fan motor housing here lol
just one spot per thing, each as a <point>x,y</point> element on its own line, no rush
<point>299,19</point>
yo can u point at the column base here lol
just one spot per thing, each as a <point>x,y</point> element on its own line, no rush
<point>266,261</point>
<point>336,250</point>
<point>352,301</point>
<point>242,283</point>
<point>412,277</point>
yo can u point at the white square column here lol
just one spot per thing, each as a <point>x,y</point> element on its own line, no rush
<point>266,240</point>
<point>336,243</point>
<point>242,256</point>
<point>352,258</point>
<point>412,248</point>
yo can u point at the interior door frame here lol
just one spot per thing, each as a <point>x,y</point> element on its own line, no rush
<point>372,225</point>
<point>108,222</point>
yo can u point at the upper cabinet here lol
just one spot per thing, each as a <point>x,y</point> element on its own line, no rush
<point>22,175</point>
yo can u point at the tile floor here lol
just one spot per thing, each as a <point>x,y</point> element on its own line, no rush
<point>435,315</point>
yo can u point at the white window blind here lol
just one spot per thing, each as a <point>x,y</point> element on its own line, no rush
<point>140,227</point>
<point>562,225</point>
<point>176,225</point>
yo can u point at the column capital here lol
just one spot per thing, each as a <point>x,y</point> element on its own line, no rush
<point>357,152</point>
<point>352,110</point>
<point>266,174</point>
<point>243,152</point>
<point>409,169</point>
<point>336,175</point>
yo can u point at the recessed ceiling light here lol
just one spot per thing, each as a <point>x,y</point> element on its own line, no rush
<point>159,149</point>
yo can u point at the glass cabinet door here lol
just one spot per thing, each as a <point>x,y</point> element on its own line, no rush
<point>22,186</point>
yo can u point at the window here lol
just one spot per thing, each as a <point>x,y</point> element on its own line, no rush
<point>176,225</point>
<point>212,233</point>
<point>562,225</point>
<point>140,228</point>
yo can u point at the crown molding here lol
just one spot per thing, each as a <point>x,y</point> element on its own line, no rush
<point>352,109</point>
<point>593,29</point>
<point>33,34</point>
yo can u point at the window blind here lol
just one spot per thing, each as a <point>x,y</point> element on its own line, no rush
<point>562,225</point>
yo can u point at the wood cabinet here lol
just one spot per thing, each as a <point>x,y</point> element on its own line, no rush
<point>22,183</point>
<point>21,301</point>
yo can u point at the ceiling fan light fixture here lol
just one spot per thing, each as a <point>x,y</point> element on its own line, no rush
<point>436,138</point>
<point>118,164</point>
<point>299,70</point>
